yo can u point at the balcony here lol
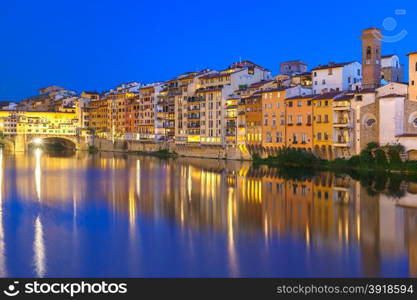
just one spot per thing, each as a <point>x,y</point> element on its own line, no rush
<point>193,126</point>
<point>341,142</point>
<point>231,124</point>
<point>193,108</point>
<point>342,123</point>
<point>342,107</point>
<point>194,99</point>
<point>193,117</point>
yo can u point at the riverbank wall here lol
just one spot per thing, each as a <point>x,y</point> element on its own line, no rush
<point>200,151</point>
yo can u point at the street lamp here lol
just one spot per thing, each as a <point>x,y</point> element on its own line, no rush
<point>37,141</point>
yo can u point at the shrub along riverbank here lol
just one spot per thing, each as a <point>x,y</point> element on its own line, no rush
<point>373,158</point>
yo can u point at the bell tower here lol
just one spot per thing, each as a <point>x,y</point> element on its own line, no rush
<point>412,76</point>
<point>371,58</point>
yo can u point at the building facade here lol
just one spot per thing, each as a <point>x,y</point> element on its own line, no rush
<point>336,77</point>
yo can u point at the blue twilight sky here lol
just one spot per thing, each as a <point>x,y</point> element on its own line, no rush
<point>95,45</point>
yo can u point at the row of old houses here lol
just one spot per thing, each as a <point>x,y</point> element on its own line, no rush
<point>333,110</point>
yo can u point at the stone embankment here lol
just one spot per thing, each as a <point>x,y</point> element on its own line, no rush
<point>215,152</point>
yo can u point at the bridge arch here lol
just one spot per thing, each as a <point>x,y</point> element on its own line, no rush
<point>66,142</point>
<point>412,154</point>
<point>7,144</point>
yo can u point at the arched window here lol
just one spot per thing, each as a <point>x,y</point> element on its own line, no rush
<point>415,122</point>
<point>368,53</point>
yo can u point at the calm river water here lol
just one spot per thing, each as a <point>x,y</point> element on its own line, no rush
<point>108,215</point>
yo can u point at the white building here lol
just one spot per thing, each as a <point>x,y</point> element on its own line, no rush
<point>215,88</point>
<point>336,77</point>
<point>391,69</point>
<point>5,105</point>
<point>131,87</point>
<point>391,111</point>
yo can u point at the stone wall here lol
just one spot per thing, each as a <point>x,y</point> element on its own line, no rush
<point>215,152</point>
<point>369,133</point>
<point>410,113</point>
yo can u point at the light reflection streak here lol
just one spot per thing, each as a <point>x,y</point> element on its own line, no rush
<point>189,183</point>
<point>39,249</point>
<point>38,173</point>
<point>230,232</point>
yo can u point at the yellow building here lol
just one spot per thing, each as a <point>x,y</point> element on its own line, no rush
<point>42,123</point>
<point>323,124</point>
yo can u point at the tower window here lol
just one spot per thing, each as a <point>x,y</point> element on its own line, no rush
<point>368,53</point>
<point>416,67</point>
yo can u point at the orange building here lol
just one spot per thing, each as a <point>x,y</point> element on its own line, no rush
<point>253,120</point>
<point>100,116</point>
<point>299,115</point>
<point>273,118</point>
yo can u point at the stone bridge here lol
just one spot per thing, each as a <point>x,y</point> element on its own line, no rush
<point>20,143</point>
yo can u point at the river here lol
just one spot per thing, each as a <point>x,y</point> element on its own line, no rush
<point>117,215</point>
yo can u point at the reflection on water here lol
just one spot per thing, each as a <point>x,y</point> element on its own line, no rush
<point>3,272</point>
<point>119,215</point>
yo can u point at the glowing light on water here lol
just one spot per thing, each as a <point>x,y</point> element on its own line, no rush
<point>39,249</point>
<point>38,173</point>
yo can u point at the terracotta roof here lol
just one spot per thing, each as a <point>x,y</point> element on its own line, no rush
<point>209,90</point>
<point>363,91</point>
<point>301,97</point>
<point>301,74</point>
<point>332,65</point>
<point>412,53</point>
<point>255,95</point>
<point>329,95</point>
<point>371,28</point>
<point>218,74</point>
<point>392,96</point>
<point>387,56</point>
<point>294,61</point>
<point>259,83</point>
<point>344,98</point>
<point>271,90</point>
